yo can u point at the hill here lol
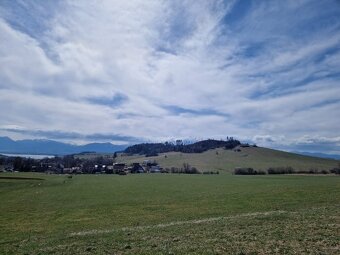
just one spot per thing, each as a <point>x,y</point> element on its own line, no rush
<point>51,147</point>
<point>152,149</point>
<point>226,160</point>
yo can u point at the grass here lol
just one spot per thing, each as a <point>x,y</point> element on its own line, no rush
<point>169,214</point>
<point>226,160</point>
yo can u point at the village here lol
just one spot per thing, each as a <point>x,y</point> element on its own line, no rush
<point>74,164</point>
<point>82,167</point>
<point>147,166</point>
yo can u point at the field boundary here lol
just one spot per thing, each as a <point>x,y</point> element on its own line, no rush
<point>21,178</point>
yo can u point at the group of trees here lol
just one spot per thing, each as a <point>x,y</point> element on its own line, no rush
<point>152,149</point>
<point>248,171</point>
<point>283,170</point>
<point>187,169</point>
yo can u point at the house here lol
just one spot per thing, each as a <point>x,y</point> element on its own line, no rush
<point>118,168</point>
<point>6,168</point>
<point>128,169</point>
<point>109,170</point>
<point>155,169</point>
<point>136,168</point>
<point>145,162</point>
<point>77,170</point>
<point>67,170</point>
<point>72,170</point>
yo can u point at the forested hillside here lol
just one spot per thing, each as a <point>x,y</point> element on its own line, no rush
<point>152,149</point>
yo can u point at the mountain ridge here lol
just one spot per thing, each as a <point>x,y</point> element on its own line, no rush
<point>318,154</point>
<point>51,147</point>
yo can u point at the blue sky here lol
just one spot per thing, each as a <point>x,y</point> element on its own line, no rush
<point>129,71</point>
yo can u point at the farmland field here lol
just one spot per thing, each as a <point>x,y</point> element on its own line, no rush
<point>226,160</point>
<point>169,214</point>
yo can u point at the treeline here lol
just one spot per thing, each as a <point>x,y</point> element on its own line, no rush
<point>248,171</point>
<point>153,149</point>
<point>283,170</point>
<point>186,169</point>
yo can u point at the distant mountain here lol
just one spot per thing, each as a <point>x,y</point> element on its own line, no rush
<point>318,154</point>
<point>50,147</point>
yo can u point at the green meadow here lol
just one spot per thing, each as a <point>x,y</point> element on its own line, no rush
<point>227,160</point>
<point>169,214</point>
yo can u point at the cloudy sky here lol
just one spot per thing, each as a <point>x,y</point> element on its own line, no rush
<point>127,71</point>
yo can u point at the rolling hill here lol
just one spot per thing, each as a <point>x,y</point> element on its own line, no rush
<point>226,160</point>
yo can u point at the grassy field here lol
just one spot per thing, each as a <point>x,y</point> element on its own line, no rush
<point>227,160</point>
<point>169,214</point>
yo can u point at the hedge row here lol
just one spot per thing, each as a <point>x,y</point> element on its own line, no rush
<point>283,170</point>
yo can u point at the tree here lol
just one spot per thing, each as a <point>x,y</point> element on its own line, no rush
<point>17,163</point>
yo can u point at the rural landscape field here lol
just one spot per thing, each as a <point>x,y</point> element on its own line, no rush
<point>169,214</point>
<point>227,160</point>
<point>169,127</point>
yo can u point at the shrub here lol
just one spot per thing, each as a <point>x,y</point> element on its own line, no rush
<point>151,154</point>
<point>290,170</point>
<point>261,172</point>
<point>187,169</point>
<point>313,171</point>
<point>211,172</point>
<point>280,170</point>
<point>244,171</point>
<point>335,170</point>
<point>247,171</point>
<point>165,170</point>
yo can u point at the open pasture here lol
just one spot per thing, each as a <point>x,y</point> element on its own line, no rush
<point>169,214</point>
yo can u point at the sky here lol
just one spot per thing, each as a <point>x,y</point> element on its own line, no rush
<point>122,71</point>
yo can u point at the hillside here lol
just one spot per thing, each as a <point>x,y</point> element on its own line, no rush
<point>227,160</point>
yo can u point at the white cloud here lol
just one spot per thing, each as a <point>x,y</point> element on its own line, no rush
<point>23,63</point>
<point>173,53</point>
